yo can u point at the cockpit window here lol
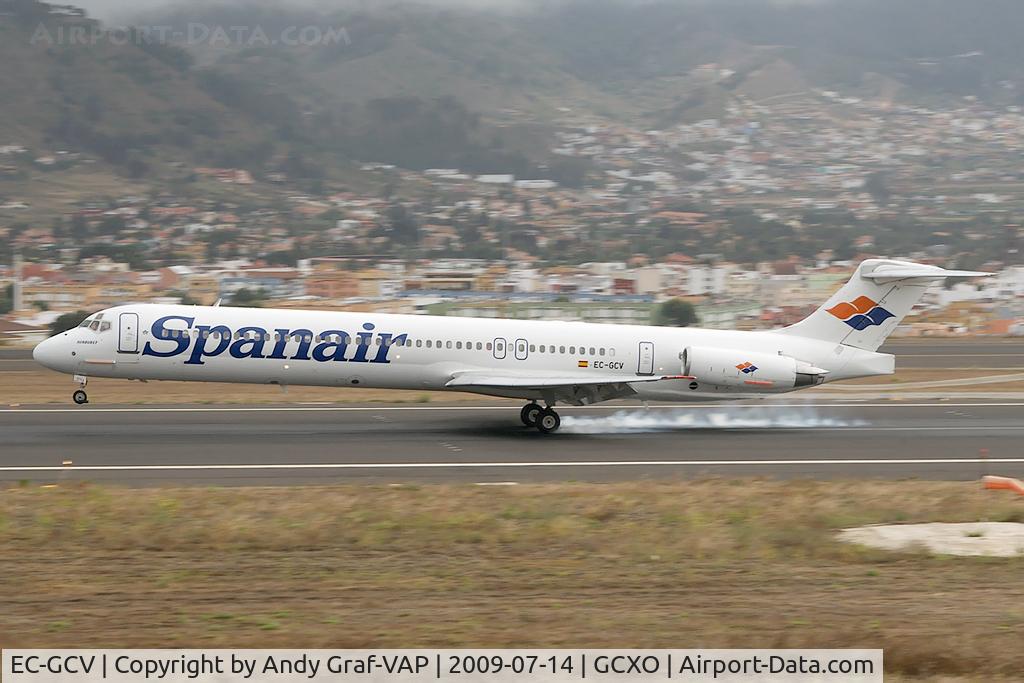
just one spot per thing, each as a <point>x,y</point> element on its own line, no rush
<point>94,325</point>
<point>104,326</point>
<point>85,323</point>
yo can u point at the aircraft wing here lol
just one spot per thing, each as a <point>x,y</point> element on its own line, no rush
<point>574,389</point>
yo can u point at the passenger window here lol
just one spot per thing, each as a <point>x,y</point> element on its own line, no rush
<point>488,346</point>
<point>561,349</point>
<point>542,347</point>
<point>532,348</point>
<point>419,343</point>
<point>592,350</point>
<point>600,351</point>
<point>479,346</point>
<point>448,345</point>
<point>572,350</point>
<point>458,345</point>
<point>611,352</point>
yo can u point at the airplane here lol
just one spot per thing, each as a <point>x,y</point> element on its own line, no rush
<point>542,362</point>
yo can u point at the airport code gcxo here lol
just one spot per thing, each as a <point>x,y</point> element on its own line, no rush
<point>280,666</point>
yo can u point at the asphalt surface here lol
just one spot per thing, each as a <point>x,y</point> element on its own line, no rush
<point>975,353</point>
<point>274,445</point>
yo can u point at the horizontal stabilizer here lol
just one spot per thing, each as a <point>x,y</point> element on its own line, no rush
<point>892,273</point>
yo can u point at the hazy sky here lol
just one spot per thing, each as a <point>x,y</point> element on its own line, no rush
<point>124,10</point>
<point>114,10</point>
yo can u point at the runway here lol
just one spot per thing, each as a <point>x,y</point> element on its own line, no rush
<point>485,444</point>
<point>996,354</point>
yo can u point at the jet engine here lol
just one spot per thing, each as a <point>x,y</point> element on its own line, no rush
<point>756,371</point>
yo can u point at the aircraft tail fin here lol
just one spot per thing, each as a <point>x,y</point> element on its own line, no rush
<point>866,310</point>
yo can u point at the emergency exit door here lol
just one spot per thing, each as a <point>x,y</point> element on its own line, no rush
<point>645,362</point>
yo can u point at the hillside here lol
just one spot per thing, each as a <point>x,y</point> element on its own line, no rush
<point>130,105</point>
<point>625,61</point>
<point>421,86</point>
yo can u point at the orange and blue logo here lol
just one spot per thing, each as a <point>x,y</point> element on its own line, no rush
<point>746,367</point>
<point>861,313</point>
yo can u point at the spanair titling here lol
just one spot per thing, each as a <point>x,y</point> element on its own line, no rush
<point>545,363</point>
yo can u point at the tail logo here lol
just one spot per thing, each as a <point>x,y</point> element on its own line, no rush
<point>861,313</point>
<point>746,367</point>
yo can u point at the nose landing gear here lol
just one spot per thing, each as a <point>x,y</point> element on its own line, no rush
<point>80,397</point>
<point>546,420</point>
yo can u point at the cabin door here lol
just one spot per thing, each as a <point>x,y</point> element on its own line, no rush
<point>645,364</point>
<point>128,331</point>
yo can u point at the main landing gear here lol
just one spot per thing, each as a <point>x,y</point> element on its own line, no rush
<point>546,420</point>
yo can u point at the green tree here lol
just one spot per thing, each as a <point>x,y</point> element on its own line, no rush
<point>675,313</point>
<point>252,298</point>
<point>184,298</point>
<point>7,299</point>
<point>877,185</point>
<point>67,321</point>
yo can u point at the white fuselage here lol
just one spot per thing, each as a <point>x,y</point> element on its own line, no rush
<point>296,347</point>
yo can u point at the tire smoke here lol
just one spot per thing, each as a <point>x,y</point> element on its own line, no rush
<point>640,420</point>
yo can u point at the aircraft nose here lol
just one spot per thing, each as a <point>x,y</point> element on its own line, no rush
<point>47,353</point>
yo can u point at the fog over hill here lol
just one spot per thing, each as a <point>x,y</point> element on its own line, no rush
<point>480,86</point>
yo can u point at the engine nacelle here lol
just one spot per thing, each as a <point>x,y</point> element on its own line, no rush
<point>751,370</point>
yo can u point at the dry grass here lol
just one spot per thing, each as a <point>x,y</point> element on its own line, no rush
<point>30,385</point>
<point>713,563</point>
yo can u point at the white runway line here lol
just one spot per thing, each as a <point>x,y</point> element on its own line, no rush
<point>343,409</point>
<point>497,465</point>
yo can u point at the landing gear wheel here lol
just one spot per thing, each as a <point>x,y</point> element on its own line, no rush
<point>80,397</point>
<point>529,414</point>
<point>548,421</point>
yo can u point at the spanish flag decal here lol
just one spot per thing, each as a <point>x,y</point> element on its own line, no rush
<point>583,364</point>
